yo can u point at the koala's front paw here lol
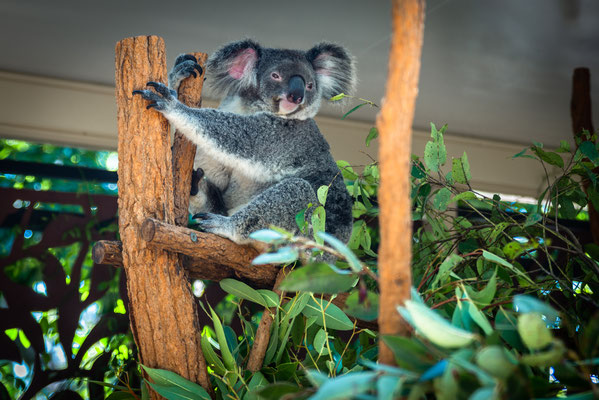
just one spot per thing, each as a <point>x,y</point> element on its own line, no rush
<point>162,99</point>
<point>214,223</point>
<point>185,65</point>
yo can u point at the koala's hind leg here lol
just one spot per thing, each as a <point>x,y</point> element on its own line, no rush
<point>277,205</point>
<point>204,195</point>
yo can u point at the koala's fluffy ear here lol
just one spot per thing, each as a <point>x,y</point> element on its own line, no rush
<point>233,67</point>
<point>335,69</point>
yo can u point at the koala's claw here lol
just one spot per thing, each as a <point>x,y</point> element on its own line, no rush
<point>161,88</point>
<point>201,215</point>
<point>160,99</point>
<point>185,57</point>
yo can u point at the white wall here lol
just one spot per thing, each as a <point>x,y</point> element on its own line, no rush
<point>84,115</point>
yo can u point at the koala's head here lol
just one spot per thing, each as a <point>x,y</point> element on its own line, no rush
<point>289,83</point>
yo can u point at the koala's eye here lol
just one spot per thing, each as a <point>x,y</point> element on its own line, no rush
<point>310,86</point>
<point>275,76</point>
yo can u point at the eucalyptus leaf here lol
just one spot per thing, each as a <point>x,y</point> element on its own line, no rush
<point>173,386</point>
<point>284,255</point>
<point>435,328</point>
<point>267,236</point>
<point>367,310</point>
<point>351,258</point>
<point>322,193</point>
<point>442,199</point>
<point>328,314</point>
<point>460,170</point>
<point>317,278</point>
<point>242,291</point>
<point>373,134</point>
<point>346,386</point>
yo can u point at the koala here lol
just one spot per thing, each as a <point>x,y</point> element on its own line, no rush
<point>261,157</point>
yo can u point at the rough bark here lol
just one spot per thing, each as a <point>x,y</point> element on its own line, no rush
<point>581,113</point>
<point>211,248</point>
<point>163,311</point>
<point>190,94</point>
<point>108,252</point>
<point>196,266</point>
<point>394,123</point>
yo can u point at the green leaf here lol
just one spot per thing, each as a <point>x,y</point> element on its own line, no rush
<point>317,278</point>
<point>549,157</point>
<point>296,305</point>
<point>486,295</point>
<point>590,151</point>
<point>409,353</point>
<point>320,340</point>
<point>373,134</point>
<point>353,109</point>
<point>173,386</point>
<point>460,169</point>
<point>242,291</point>
<point>346,170</point>
<point>334,318</point>
<point>533,331</point>
<point>564,147</point>
<point>267,236</point>
<point>322,193</point>
<point>346,386</point>
<point>276,391</point>
<point>338,97</point>
<point>351,258</point>
<point>318,222</point>
<point>271,298</point>
<point>431,156</point>
<point>496,361</point>
<point>284,255</point>
<point>368,310</point>
<point>528,304</point>
<point>463,197</point>
<point>228,359</point>
<point>532,219</point>
<point>434,327</point>
<point>212,360</point>
<point>442,199</point>
<point>257,382</point>
<point>479,318</point>
<point>520,154</point>
<point>445,269</point>
<point>552,356</point>
<point>121,396</point>
<point>496,259</point>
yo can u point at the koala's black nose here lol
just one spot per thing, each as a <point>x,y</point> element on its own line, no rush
<point>295,92</point>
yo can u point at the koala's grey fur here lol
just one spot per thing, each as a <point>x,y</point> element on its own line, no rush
<point>261,152</point>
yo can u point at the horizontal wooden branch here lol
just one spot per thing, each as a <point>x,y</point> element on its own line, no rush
<point>109,252</point>
<point>208,256</point>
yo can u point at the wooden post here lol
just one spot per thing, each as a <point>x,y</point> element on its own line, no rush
<point>394,123</point>
<point>190,94</point>
<point>581,113</point>
<point>163,312</point>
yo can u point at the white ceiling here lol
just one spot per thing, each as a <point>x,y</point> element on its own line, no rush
<point>498,69</point>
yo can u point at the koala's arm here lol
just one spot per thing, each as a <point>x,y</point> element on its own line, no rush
<point>230,138</point>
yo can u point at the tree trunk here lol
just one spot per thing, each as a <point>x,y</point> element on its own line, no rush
<point>162,309</point>
<point>394,123</point>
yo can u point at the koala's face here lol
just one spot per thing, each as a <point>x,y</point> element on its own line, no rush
<point>289,83</point>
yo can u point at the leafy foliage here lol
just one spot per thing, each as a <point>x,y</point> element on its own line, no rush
<point>505,303</point>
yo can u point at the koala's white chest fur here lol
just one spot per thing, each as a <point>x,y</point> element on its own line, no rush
<point>237,188</point>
